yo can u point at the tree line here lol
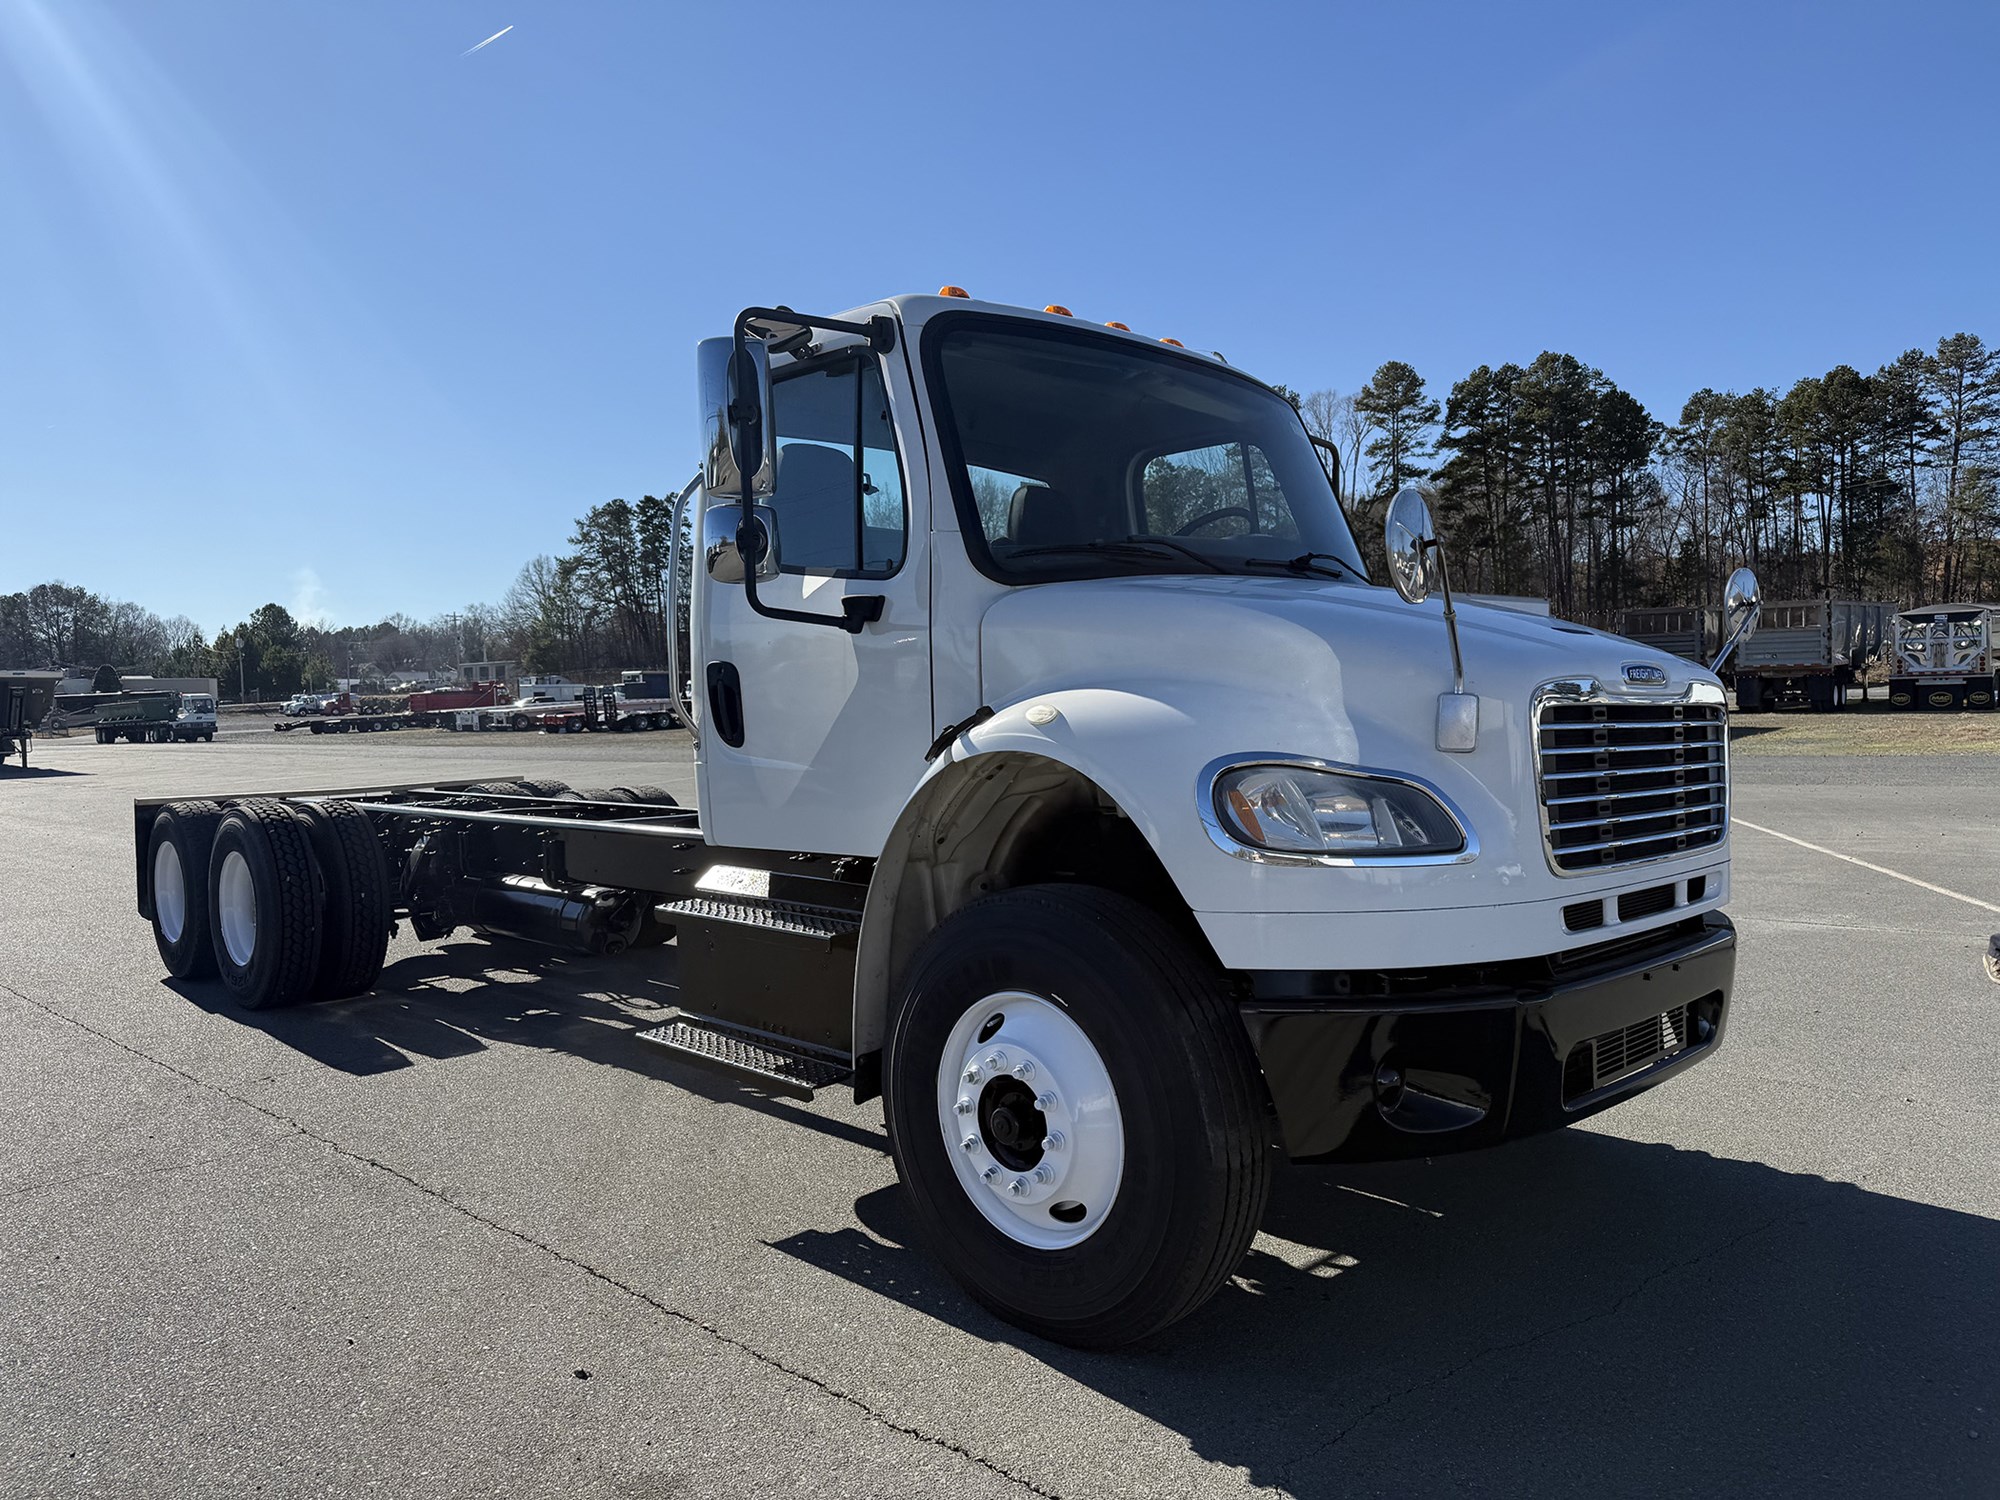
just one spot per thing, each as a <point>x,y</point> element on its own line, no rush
<point>1547,479</point>
<point>588,612</point>
<point>1550,480</point>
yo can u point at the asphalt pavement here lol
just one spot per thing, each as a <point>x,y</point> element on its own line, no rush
<point>463,1237</point>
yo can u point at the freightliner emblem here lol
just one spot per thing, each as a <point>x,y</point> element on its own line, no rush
<point>1644,674</point>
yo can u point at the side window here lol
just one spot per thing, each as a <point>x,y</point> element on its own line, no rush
<point>839,496</point>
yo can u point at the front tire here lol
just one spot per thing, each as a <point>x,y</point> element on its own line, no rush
<point>1109,1189</point>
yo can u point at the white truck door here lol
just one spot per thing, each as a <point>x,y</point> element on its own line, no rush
<point>830,728</point>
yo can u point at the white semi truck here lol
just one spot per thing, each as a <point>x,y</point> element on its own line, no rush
<point>1065,782</point>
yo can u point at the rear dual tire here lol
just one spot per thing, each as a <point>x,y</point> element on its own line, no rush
<point>282,903</point>
<point>265,896</point>
<point>177,858</point>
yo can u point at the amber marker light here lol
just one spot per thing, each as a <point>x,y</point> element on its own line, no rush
<point>954,291</point>
<point>1059,310</point>
<point>1175,342</point>
<point>1121,327</point>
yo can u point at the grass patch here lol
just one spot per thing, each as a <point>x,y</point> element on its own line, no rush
<point>1865,731</point>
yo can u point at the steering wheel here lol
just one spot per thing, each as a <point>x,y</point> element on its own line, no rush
<point>1209,518</point>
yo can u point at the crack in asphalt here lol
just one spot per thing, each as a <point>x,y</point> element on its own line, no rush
<point>1624,1301</point>
<point>772,1361</point>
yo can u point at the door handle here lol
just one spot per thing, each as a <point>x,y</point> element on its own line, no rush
<point>725,701</point>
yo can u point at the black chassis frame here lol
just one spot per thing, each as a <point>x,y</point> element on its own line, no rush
<point>634,846</point>
<point>652,850</point>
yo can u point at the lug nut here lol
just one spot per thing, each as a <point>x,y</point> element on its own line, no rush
<point>971,1074</point>
<point>1053,1141</point>
<point>1043,1173</point>
<point>971,1143</point>
<point>1045,1101</point>
<point>989,1174</point>
<point>964,1106</point>
<point>1024,1069</point>
<point>996,1062</point>
<point>1018,1186</point>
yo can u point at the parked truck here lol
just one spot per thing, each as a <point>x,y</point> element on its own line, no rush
<point>1811,652</point>
<point>1065,782</point>
<point>1946,656</point>
<point>1692,633</point>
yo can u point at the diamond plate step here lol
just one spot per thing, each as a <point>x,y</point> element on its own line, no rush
<point>791,918</point>
<point>764,1060</point>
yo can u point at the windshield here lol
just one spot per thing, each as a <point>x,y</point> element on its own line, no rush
<point>1082,456</point>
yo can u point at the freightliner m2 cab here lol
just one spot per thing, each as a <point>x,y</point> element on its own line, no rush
<point>1065,782</point>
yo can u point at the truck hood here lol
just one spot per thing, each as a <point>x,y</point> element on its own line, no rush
<point>1148,685</point>
<point>1345,655</point>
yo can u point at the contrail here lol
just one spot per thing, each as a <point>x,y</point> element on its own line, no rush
<point>488,42</point>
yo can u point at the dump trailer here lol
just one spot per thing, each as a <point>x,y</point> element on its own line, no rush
<point>139,718</point>
<point>25,701</point>
<point>1065,784</point>
<point>1946,656</point>
<point>1810,652</point>
<point>1689,632</point>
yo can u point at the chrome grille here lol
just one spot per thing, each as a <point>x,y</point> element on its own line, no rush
<point>1623,782</point>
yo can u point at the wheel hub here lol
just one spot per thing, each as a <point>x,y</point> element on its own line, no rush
<point>1030,1120</point>
<point>1011,1124</point>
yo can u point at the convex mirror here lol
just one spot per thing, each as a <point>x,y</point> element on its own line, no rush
<point>1408,537</point>
<point>721,554</point>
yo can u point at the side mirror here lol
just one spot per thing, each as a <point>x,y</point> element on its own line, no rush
<point>1416,564</point>
<point>721,525</point>
<point>1742,605</point>
<point>1410,538</point>
<point>739,444</point>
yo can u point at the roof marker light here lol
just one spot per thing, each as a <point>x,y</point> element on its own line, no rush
<point>1175,342</point>
<point>1121,327</point>
<point>954,291</point>
<point>1059,310</point>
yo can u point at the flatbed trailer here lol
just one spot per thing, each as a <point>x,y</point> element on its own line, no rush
<point>359,723</point>
<point>605,710</point>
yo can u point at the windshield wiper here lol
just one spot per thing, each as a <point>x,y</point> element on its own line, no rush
<point>1150,547</point>
<point>1306,562</point>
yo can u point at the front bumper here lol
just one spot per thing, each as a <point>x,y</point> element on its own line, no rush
<point>1457,1059</point>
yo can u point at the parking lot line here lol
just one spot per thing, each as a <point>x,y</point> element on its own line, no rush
<point>1878,869</point>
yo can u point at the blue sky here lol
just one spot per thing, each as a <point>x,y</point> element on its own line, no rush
<point>300,302</point>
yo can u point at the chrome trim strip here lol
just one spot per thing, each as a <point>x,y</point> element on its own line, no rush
<point>1574,691</point>
<point>1220,835</point>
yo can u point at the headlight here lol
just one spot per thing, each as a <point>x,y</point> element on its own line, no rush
<point>1300,810</point>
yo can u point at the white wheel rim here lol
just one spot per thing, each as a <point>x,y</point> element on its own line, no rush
<point>236,907</point>
<point>1048,1194</point>
<point>169,891</point>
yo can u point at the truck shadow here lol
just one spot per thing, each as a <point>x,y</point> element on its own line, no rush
<point>466,995</point>
<point>1578,1314</point>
